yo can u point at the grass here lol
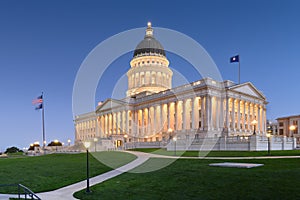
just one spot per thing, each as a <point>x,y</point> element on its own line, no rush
<point>49,172</point>
<point>219,153</point>
<point>16,155</point>
<point>194,179</point>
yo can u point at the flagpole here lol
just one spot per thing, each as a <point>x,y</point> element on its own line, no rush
<point>43,123</point>
<point>239,69</point>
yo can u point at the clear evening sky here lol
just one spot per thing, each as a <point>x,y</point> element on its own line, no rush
<point>43,43</point>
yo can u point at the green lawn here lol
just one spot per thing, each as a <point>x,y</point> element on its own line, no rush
<point>194,179</point>
<point>219,153</point>
<point>44,173</point>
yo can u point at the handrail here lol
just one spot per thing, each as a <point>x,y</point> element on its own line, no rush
<point>26,191</point>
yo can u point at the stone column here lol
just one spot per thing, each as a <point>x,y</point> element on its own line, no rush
<point>233,114</point>
<point>207,116</point>
<point>244,115</point>
<point>143,122</point>
<point>114,123</point>
<point>248,118</point>
<point>221,118</point>
<point>105,124</point>
<point>210,114</point>
<point>149,122</point>
<point>203,113</point>
<point>119,121</point>
<point>258,120</point>
<point>176,114</point>
<point>227,113</point>
<point>100,127</point>
<point>126,122</point>
<point>137,124</point>
<point>184,115</point>
<point>265,121</point>
<point>193,106</point>
<point>108,117</point>
<point>217,114</point>
<point>154,119</point>
<point>239,115</point>
<point>162,118</point>
<point>169,115</point>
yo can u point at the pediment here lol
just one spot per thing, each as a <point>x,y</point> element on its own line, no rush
<point>248,89</point>
<point>110,104</point>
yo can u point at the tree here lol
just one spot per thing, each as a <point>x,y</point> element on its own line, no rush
<point>13,150</point>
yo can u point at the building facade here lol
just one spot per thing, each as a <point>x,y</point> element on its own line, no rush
<point>289,127</point>
<point>153,111</point>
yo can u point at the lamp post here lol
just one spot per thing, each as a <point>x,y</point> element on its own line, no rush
<point>174,139</point>
<point>269,146</point>
<point>254,122</point>
<point>95,140</point>
<point>69,142</point>
<point>292,128</point>
<point>87,146</point>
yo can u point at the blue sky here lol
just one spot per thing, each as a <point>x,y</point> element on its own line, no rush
<point>43,43</point>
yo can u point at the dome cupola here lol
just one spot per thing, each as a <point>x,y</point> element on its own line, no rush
<point>149,45</point>
<point>149,70</point>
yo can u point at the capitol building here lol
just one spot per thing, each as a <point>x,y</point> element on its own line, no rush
<point>153,113</point>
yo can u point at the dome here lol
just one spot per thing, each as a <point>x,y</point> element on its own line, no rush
<point>149,44</point>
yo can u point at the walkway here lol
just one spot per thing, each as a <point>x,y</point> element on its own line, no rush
<point>66,193</point>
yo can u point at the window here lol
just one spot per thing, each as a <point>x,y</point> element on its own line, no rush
<point>153,79</point>
<point>280,131</point>
<point>143,80</point>
<point>281,124</point>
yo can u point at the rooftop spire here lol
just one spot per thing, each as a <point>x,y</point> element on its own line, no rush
<point>149,30</point>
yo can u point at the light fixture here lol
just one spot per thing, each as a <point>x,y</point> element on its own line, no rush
<point>87,144</point>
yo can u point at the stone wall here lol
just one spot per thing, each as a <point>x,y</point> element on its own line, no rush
<point>237,143</point>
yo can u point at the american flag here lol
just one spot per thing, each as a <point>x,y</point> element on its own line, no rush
<point>39,99</point>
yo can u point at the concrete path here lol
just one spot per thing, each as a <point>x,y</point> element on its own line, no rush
<point>66,193</point>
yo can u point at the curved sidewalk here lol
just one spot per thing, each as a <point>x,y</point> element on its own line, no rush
<point>66,193</point>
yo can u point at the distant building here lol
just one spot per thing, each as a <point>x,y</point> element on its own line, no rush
<point>154,112</point>
<point>289,127</point>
